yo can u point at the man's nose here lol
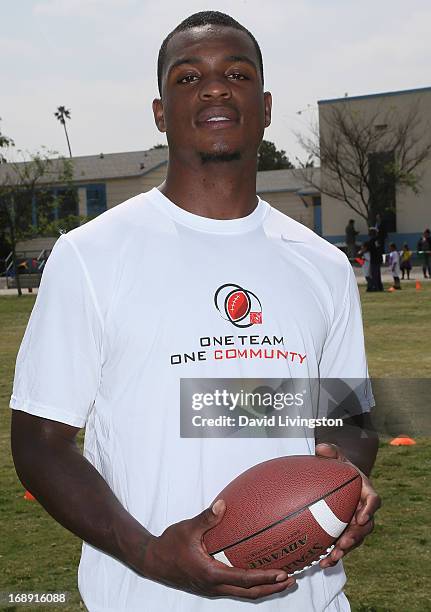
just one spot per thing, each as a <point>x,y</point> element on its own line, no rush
<point>214,88</point>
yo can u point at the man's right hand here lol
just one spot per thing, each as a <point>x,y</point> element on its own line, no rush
<point>178,558</point>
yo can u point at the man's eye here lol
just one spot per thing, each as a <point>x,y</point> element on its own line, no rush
<point>237,76</point>
<point>188,79</point>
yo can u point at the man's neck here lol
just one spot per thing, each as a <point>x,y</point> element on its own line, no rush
<point>217,190</point>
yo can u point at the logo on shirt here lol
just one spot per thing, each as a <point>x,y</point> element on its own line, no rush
<point>238,305</point>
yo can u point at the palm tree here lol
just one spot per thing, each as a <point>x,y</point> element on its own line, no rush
<point>62,113</point>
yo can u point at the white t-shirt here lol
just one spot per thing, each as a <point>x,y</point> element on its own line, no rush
<point>123,298</point>
<point>394,262</point>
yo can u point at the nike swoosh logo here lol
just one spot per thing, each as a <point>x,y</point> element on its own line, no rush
<point>286,239</point>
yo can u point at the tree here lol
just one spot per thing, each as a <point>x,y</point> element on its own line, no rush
<point>269,158</point>
<point>21,184</point>
<point>365,156</point>
<point>62,113</point>
<point>5,144</point>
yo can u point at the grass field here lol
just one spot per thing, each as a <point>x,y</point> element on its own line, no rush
<point>390,573</point>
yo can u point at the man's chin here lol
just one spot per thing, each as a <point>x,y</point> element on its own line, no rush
<point>219,156</point>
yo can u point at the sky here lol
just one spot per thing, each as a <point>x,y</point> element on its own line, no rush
<point>98,58</point>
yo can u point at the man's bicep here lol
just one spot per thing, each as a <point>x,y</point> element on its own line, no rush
<point>29,428</point>
<point>35,442</point>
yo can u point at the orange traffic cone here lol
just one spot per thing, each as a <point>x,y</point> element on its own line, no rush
<point>418,285</point>
<point>28,496</point>
<point>402,440</point>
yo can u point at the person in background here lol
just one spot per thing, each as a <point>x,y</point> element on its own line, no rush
<point>394,262</point>
<point>364,253</point>
<point>351,234</point>
<point>406,261</point>
<point>424,246</point>
<point>376,261</point>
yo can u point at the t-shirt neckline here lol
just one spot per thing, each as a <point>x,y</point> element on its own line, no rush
<point>206,224</point>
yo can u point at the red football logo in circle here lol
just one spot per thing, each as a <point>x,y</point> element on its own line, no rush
<point>237,305</point>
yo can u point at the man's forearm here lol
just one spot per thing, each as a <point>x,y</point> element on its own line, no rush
<point>75,494</point>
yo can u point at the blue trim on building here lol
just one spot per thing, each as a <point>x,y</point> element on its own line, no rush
<point>375,95</point>
<point>399,238</point>
<point>95,199</point>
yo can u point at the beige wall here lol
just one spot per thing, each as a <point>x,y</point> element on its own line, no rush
<point>82,201</point>
<point>413,211</point>
<point>291,204</point>
<point>335,216</point>
<point>119,190</point>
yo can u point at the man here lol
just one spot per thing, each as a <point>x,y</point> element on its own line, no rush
<point>376,260</point>
<point>424,248</point>
<point>106,348</point>
<point>351,234</point>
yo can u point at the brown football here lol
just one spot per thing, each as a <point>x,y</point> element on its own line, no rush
<point>285,513</point>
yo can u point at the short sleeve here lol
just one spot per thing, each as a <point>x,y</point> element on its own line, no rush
<point>343,356</point>
<point>58,366</point>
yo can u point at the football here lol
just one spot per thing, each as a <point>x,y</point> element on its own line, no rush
<point>285,513</point>
<point>237,305</point>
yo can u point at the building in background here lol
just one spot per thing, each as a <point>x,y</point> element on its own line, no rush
<point>291,193</point>
<point>105,180</point>
<point>410,212</point>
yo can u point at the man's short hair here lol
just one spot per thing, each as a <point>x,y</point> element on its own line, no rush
<point>204,18</point>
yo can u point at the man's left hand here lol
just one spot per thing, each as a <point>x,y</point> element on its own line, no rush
<point>362,522</point>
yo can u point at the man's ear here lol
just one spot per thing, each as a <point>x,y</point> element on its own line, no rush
<point>159,116</point>
<point>268,108</point>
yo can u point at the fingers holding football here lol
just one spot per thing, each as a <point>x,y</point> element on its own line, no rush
<point>223,574</point>
<point>350,539</point>
<point>369,503</point>
<point>330,451</point>
<point>192,569</point>
<point>255,592</point>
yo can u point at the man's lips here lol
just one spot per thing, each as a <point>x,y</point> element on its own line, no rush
<point>217,116</point>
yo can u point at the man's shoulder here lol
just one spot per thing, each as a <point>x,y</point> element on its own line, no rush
<point>113,224</point>
<point>111,242</point>
<point>281,226</point>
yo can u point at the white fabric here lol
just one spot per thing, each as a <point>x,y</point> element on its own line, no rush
<point>123,293</point>
<point>394,262</point>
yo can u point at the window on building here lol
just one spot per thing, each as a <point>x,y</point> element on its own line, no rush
<point>96,200</point>
<point>66,202</point>
<point>383,188</point>
<point>54,203</point>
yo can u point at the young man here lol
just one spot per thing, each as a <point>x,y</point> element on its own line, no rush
<point>424,247</point>
<point>105,348</point>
